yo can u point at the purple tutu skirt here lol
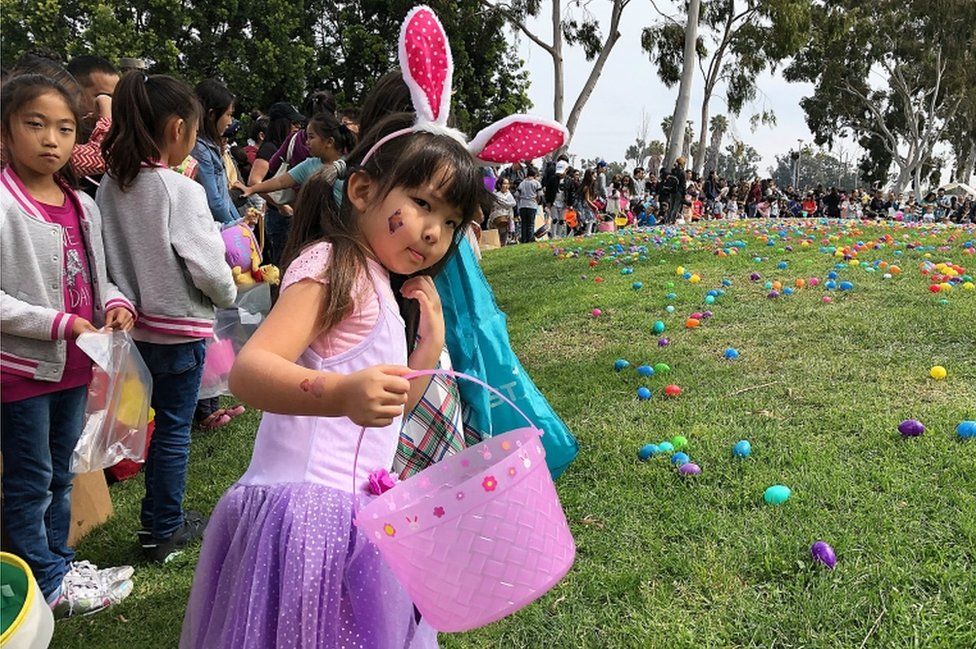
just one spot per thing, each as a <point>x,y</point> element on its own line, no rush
<point>283,566</point>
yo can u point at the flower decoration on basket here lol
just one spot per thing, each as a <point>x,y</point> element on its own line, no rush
<point>380,481</point>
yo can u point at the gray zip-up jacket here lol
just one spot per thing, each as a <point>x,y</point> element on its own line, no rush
<point>164,249</point>
<point>33,321</point>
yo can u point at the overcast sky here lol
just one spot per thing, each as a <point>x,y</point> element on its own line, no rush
<point>629,84</point>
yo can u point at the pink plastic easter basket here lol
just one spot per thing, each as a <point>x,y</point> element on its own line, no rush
<point>478,535</point>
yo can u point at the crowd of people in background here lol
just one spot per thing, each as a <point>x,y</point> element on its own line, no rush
<point>567,201</point>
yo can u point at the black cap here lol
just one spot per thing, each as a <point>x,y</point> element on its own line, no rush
<point>284,109</point>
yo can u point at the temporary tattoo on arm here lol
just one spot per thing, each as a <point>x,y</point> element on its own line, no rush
<point>315,387</point>
<point>395,221</point>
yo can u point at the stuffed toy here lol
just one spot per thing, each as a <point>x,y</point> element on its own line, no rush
<point>244,257</point>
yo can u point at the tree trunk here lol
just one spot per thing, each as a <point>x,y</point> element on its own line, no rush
<point>677,137</point>
<point>654,164</point>
<point>917,181</point>
<point>970,166</point>
<point>612,37</point>
<point>557,64</point>
<point>715,148</point>
<point>703,127</point>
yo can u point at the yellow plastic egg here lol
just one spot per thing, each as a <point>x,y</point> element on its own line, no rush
<point>938,372</point>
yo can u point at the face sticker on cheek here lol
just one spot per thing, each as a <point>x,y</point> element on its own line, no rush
<point>395,222</point>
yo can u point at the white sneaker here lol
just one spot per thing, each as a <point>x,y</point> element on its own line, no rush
<point>80,598</point>
<point>106,576</point>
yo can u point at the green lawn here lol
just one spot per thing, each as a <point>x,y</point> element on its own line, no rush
<point>665,561</point>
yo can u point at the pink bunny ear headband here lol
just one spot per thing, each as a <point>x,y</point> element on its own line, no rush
<point>425,58</point>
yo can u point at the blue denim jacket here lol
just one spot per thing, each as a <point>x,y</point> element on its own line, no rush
<point>213,177</point>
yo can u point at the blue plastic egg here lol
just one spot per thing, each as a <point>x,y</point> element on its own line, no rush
<point>846,286</point>
<point>643,393</point>
<point>830,284</point>
<point>731,353</point>
<point>671,296</point>
<point>742,448</point>
<point>777,494</point>
<point>647,451</point>
<point>966,429</point>
<point>782,265</point>
<point>669,308</point>
<point>709,299</point>
<point>637,285</point>
<point>645,370</point>
<point>665,447</point>
<point>620,364</point>
<point>659,327</point>
<point>726,282</point>
<point>679,458</point>
<point>832,275</point>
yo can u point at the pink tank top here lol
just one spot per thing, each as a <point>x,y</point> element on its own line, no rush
<point>321,450</point>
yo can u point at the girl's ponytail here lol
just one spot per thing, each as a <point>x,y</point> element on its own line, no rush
<point>326,125</point>
<point>141,107</point>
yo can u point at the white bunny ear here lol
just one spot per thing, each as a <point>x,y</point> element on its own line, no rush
<point>425,58</point>
<point>518,137</point>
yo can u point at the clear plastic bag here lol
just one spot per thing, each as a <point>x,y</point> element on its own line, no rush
<point>233,328</point>
<point>117,415</point>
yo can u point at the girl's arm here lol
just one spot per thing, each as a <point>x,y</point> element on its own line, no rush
<point>430,331</point>
<point>266,375</point>
<point>284,181</point>
<point>211,177</point>
<point>259,169</point>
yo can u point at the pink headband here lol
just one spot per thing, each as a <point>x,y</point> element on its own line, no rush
<point>425,58</point>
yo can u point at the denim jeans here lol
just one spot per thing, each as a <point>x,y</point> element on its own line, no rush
<point>276,227</point>
<point>37,439</point>
<point>176,371</point>
<point>527,221</point>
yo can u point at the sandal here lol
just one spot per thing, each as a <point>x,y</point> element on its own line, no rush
<point>216,420</point>
<point>236,410</point>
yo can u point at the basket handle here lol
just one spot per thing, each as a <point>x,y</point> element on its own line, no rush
<point>458,375</point>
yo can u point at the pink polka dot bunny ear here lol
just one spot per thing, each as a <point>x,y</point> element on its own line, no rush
<point>518,137</point>
<point>425,59</point>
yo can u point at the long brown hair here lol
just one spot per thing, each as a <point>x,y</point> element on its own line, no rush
<point>406,161</point>
<point>141,108</point>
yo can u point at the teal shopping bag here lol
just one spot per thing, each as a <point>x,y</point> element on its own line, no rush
<point>477,339</point>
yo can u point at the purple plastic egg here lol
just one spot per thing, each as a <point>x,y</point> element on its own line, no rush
<point>689,468</point>
<point>823,553</point>
<point>755,277</point>
<point>663,342</point>
<point>773,294</point>
<point>911,428</point>
<point>707,314</point>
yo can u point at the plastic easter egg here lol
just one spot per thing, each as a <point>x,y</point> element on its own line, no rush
<point>755,277</point>
<point>772,295</point>
<point>731,353</point>
<point>661,368</point>
<point>831,284</point>
<point>709,299</point>
<point>814,281</point>
<point>671,296</point>
<point>943,302</point>
<point>726,282</point>
<point>679,441</point>
<point>768,286</point>
<point>679,458</point>
<point>665,447</point>
<point>689,469</point>
<point>670,284</point>
<point>620,364</point>
<point>886,276</point>
<point>826,299</point>
<point>969,286</point>
<point>637,286</point>
<point>596,313</point>
<point>911,428</point>
<point>777,494</point>
<point>691,323</point>
<point>800,283</point>
<point>966,429</point>
<point>659,327</point>
<point>832,275</point>
<point>694,279</point>
<point>647,451</point>
<point>788,291</point>
<point>645,370</point>
<point>742,448</point>
<point>687,275</point>
<point>672,390</point>
<point>598,280</point>
<point>824,554</point>
<point>782,265</point>
<point>669,308</point>
<point>680,270</point>
<point>777,285</point>
<point>643,393</point>
<point>938,372</point>
<point>846,286</point>
<point>707,315</point>
<point>662,342</point>
<point>697,315</point>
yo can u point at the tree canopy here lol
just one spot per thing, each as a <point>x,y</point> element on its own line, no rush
<point>272,50</point>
